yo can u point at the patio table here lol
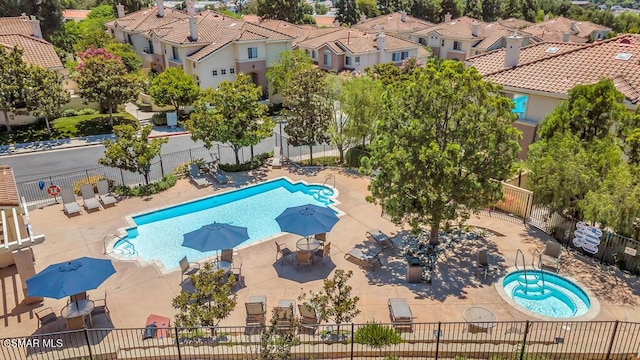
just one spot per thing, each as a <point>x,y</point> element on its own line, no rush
<point>479,318</point>
<point>308,244</point>
<point>82,307</point>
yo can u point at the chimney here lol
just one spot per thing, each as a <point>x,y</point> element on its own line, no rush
<point>572,26</point>
<point>160,5</point>
<point>447,17</point>
<point>403,16</point>
<point>35,26</point>
<point>193,28</point>
<point>120,9</point>
<point>546,17</point>
<point>191,8</point>
<point>512,53</point>
<point>565,37</point>
<point>474,28</point>
<point>381,42</point>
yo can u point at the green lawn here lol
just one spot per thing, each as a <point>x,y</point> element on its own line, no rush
<point>65,127</point>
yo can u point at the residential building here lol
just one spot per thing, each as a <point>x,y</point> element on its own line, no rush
<point>538,78</point>
<point>208,46</point>
<point>75,15</point>
<point>398,23</point>
<point>568,30</point>
<point>464,37</point>
<point>515,23</point>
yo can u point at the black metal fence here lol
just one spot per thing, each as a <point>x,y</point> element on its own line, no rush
<point>502,340</point>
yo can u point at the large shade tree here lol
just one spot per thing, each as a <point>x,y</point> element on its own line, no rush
<point>287,10</point>
<point>45,94</point>
<point>13,74</point>
<point>443,139</point>
<point>174,87</point>
<point>361,100</point>
<point>290,63</point>
<point>348,12</point>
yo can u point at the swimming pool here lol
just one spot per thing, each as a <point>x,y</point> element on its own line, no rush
<point>546,293</point>
<point>158,235</point>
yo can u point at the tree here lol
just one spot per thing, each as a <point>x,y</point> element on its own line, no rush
<point>49,12</point>
<point>46,95</point>
<point>211,301</point>
<point>473,8</point>
<point>320,8</point>
<point>132,151</point>
<point>130,59</point>
<point>453,7</point>
<point>79,36</point>
<point>290,63</point>
<point>308,109</point>
<point>102,77</point>
<point>347,12</point>
<point>443,139</point>
<point>13,74</point>
<point>230,114</point>
<point>368,8</point>
<point>287,10</point>
<point>334,302</point>
<point>361,100</point>
<point>426,9</point>
<point>174,87</point>
<point>337,128</point>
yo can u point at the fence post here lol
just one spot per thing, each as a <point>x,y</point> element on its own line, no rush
<point>161,167</point>
<point>352,328</point>
<point>524,340</point>
<point>606,247</point>
<point>190,156</point>
<point>438,339</point>
<point>178,343</point>
<point>122,177</point>
<point>86,336</point>
<point>86,171</point>
<point>613,338</point>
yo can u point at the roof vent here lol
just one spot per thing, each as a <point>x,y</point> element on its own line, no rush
<point>625,42</point>
<point>233,24</point>
<point>552,50</point>
<point>623,56</point>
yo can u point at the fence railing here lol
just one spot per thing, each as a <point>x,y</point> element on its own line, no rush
<point>501,340</point>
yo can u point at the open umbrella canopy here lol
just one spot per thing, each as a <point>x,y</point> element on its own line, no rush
<point>216,236</point>
<point>70,277</point>
<point>307,220</point>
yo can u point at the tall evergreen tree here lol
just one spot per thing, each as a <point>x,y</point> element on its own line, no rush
<point>426,9</point>
<point>490,10</point>
<point>13,75</point>
<point>287,10</point>
<point>453,7</point>
<point>348,13</point>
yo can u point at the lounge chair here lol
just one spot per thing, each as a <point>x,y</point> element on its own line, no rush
<point>276,163</point>
<point>256,307</point>
<point>283,251</point>
<point>308,315</point>
<point>69,202</point>
<point>482,263</point>
<point>380,238</point>
<point>89,198</point>
<point>324,253</point>
<point>104,195</point>
<point>400,313</point>
<point>188,268</point>
<point>156,327</point>
<point>285,314</point>
<point>197,178</point>
<point>551,255</point>
<point>364,256</point>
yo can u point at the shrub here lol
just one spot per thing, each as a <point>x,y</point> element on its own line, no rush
<point>257,161</point>
<point>92,179</point>
<point>354,154</point>
<point>159,119</point>
<point>87,111</point>
<point>167,182</point>
<point>377,336</point>
<point>182,170</point>
<point>70,112</point>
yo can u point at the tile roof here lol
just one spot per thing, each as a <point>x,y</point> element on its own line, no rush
<point>15,25</point>
<point>299,33</point>
<point>553,29</point>
<point>147,19</point>
<point>493,61</point>
<point>252,18</point>
<point>357,42</point>
<point>582,65</point>
<point>514,23</point>
<point>393,23</point>
<point>8,189</point>
<point>325,20</point>
<point>17,31</point>
<point>72,14</point>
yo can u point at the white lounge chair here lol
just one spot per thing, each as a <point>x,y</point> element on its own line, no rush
<point>197,178</point>
<point>276,163</point>
<point>256,307</point>
<point>69,202</point>
<point>400,312</point>
<point>380,238</point>
<point>103,193</point>
<point>364,256</point>
<point>89,198</point>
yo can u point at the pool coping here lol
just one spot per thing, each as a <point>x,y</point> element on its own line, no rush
<point>594,308</point>
<point>122,232</point>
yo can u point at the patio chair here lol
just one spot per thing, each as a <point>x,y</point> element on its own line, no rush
<point>77,297</point>
<point>256,308</point>
<point>89,198</point>
<point>400,313</point>
<point>284,314</point>
<point>76,323</point>
<point>237,273</point>
<point>364,257</point>
<point>276,163</point>
<point>188,268</point>
<point>104,195</point>
<point>283,251</point>
<point>551,255</point>
<point>100,306</point>
<point>46,316</point>
<point>69,202</point>
<point>308,315</point>
<point>482,263</point>
<point>199,179</point>
<point>380,238</point>
<point>324,253</point>
<point>303,257</point>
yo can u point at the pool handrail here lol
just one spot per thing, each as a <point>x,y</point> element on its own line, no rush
<point>524,269</point>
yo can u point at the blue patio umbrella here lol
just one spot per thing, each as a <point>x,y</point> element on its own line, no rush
<point>70,277</point>
<point>216,236</point>
<point>307,220</point>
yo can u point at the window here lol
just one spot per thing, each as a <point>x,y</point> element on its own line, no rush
<point>197,81</point>
<point>150,47</point>
<point>442,44</point>
<point>327,58</point>
<point>357,60</point>
<point>175,53</point>
<point>457,45</point>
<point>214,73</point>
<point>348,60</point>
<point>253,52</point>
<point>313,54</point>
<point>129,39</point>
<point>395,57</point>
<point>223,72</point>
<point>404,55</point>
<point>422,41</point>
<point>232,71</point>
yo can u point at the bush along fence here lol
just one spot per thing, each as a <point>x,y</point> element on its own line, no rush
<point>498,341</point>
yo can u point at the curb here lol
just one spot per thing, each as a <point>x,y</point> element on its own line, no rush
<point>169,134</point>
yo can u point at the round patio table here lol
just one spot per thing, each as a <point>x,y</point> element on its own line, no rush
<point>222,265</point>
<point>480,318</point>
<point>82,307</point>
<point>308,244</point>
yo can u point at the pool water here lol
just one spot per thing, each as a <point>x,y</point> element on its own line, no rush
<point>546,293</point>
<point>159,234</point>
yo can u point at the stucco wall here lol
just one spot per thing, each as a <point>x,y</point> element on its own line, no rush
<point>539,107</point>
<point>222,59</point>
<point>528,137</point>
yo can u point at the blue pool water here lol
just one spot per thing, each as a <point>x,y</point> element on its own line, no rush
<point>159,234</point>
<point>554,297</point>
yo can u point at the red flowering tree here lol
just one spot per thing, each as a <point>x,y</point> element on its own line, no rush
<point>102,77</point>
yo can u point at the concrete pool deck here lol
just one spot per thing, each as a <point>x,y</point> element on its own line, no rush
<point>136,291</point>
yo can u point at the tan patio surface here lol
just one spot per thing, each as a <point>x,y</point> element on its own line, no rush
<point>136,291</point>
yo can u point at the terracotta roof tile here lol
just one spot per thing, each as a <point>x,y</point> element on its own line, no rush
<point>35,51</point>
<point>15,25</point>
<point>494,60</point>
<point>460,28</point>
<point>393,23</point>
<point>73,14</point>
<point>8,190</point>
<point>252,18</point>
<point>583,65</point>
<point>553,29</point>
<point>147,19</point>
<point>325,20</point>
<point>514,23</point>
